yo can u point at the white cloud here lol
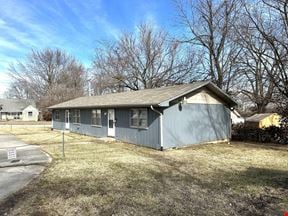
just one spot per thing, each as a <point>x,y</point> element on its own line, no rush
<point>108,27</point>
<point>3,89</point>
<point>4,77</point>
<point>2,22</point>
<point>94,17</point>
<point>21,30</point>
<point>58,28</point>
<point>23,27</point>
<point>8,44</point>
<point>5,81</point>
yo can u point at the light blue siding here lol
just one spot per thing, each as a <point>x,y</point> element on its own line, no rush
<point>182,125</point>
<point>59,124</point>
<point>195,123</point>
<point>147,137</point>
<point>85,126</point>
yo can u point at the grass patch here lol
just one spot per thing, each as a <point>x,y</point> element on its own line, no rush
<point>114,178</point>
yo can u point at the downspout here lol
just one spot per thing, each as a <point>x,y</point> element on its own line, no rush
<point>161,126</point>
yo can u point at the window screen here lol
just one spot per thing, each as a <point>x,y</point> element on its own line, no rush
<point>77,116</point>
<point>138,118</point>
<point>57,115</point>
<point>96,117</point>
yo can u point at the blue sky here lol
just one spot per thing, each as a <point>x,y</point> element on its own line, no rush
<point>72,25</point>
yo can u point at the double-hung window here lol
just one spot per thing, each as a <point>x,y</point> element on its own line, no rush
<point>139,118</point>
<point>77,116</point>
<point>96,117</point>
<point>57,115</point>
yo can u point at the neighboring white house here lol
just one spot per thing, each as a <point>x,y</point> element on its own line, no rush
<point>13,109</point>
<point>30,113</point>
<point>236,118</point>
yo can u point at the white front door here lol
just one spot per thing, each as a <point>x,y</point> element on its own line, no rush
<point>111,122</point>
<point>67,119</point>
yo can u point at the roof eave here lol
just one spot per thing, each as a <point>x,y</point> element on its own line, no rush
<point>226,98</point>
<point>167,102</point>
<point>104,106</point>
<point>219,92</point>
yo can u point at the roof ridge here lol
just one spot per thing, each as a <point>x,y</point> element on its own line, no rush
<point>145,97</point>
<point>147,89</point>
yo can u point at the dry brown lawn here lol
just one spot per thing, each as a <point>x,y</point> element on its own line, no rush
<point>20,122</point>
<point>114,178</point>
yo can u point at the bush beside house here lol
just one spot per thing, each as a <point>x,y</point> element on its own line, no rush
<point>272,134</point>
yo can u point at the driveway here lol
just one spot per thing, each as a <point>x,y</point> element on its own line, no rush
<point>16,174</point>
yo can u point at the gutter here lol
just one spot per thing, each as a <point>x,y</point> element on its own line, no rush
<point>101,106</point>
<point>161,126</point>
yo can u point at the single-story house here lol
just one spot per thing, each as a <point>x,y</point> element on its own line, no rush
<point>159,118</point>
<point>13,109</point>
<point>263,120</point>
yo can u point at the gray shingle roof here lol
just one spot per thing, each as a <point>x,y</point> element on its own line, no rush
<point>144,98</point>
<point>15,105</point>
<point>258,117</point>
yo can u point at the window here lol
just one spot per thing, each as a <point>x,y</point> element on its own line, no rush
<point>30,114</point>
<point>57,115</point>
<point>77,116</point>
<point>96,117</point>
<point>138,118</point>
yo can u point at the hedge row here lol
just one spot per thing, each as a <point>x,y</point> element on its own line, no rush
<point>271,134</point>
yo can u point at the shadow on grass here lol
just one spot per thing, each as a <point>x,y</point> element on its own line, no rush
<point>158,187</point>
<point>127,190</point>
<point>257,145</point>
<point>258,177</point>
<point>269,189</point>
<point>266,177</point>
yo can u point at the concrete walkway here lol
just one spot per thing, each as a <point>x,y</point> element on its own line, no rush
<point>15,174</point>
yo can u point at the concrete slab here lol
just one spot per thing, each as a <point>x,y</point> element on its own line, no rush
<point>26,154</point>
<point>107,139</point>
<point>13,179</point>
<point>31,161</point>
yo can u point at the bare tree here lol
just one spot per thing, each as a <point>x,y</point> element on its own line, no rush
<point>145,59</point>
<point>19,89</point>
<point>48,76</point>
<point>209,27</point>
<point>256,83</point>
<point>270,19</point>
<point>105,82</point>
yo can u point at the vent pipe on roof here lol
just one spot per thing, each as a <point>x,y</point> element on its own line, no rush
<point>161,126</point>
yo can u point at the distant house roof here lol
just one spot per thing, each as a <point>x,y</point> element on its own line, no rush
<point>15,105</point>
<point>258,117</point>
<point>143,98</point>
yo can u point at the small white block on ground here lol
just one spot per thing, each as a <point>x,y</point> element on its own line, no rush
<point>11,153</point>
